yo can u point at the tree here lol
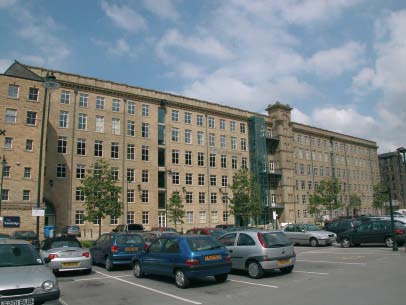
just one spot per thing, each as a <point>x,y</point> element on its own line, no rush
<point>101,193</point>
<point>354,205</point>
<point>176,210</point>
<point>325,197</point>
<point>246,202</point>
<point>381,196</point>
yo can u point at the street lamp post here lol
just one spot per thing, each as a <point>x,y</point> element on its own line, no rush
<point>50,84</point>
<point>3,165</point>
<point>395,244</point>
<point>402,151</point>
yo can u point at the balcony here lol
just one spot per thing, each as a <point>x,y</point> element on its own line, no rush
<point>276,173</point>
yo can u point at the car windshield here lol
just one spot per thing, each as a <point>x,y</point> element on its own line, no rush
<point>25,234</point>
<point>312,227</point>
<point>18,255</point>
<point>129,239</point>
<point>203,243</point>
<point>216,233</point>
<point>275,239</point>
<point>65,243</point>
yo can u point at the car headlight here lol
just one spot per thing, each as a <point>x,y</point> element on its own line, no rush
<point>48,285</point>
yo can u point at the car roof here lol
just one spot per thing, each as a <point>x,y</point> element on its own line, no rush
<point>10,241</point>
<point>61,238</point>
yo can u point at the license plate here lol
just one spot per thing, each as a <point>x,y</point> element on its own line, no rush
<point>18,302</point>
<point>212,257</point>
<point>70,264</point>
<point>283,261</point>
<point>130,249</point>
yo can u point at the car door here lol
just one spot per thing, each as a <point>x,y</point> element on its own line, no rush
<point>244,249</point>
<point>96,250</point>
<point>228,240</point>
<point>170,251</point>
<point>151,260</point>
<point>362,233</point>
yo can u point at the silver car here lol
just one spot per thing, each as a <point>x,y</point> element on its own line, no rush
<point>66,254</point>
<point>24,278</point>
<point>259,251</point>
<point>309,234</point>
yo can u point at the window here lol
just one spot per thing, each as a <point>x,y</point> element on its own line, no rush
<point>130,152</point>
<point>33,94</point>
<point>188,158</point>
<point>81,147</point>
<point>145,153</point>
<point>224,181</point>
<point>26,195</point>
<point>131,128</point>
<point>202,217</point>
<point>200,179</point>
<point>175,156</point>
<point>175,178</point>
<point>222,124</point>
<point>115,106</point>
<point>212,140</point>
<point>234,162</point>
<point>175,116</point>
<point>213,180</point>
<point>188,136</point>
<point>175,134</point>
<point>115,126</point>
<point>188,118</point>
<point>130,196</point>
<point>242,127</point>
<point>145,110</point>
<point>65,97</point>
<point>99,123</point>
<point>200,138</point>
<point>222,141</point>
<point>244,162</point>
<point>189,178</point>
<point>5,194</point>
<point>145,130</point>
<point>83,100</point>
<point>31,118</point>
<point>145,176</point>
<point>202,198</point>
<point>114,150</point>
<point>199,120</point>
<point>144,196</point>
<point>63,119</point>
<point>189,217</point>
<point>6,171</point>
<point>11,116</point>
<point>98,148</point>
<point>243,144</point>
<point>130,217</point>
<point>80,171</point>
<point>27,172</point>
<point>212,160</point>
<point>82,122</point>
<point>233,143</point>
<point>225,216</point>
<point>211,122</point>
<point>100,102</point>
<point>130,175</point>
<point>29,144</point>
<point>214,217</point>
<point>62,143</point>
<point>131,108</point>
<point>113,220</point>
<point>232,126</point>
<point>60,170</point>
<point>79,217</point>
<point>114,174</point>
<point>200,159</point>
<point>13,91</point>
<point>79,195</point>
<point>145,218</point>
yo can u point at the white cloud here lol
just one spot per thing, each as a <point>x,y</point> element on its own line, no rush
<point>162,8</point>
<point>120,48</point>
<point>300,117</point>
<point>4,64</point>
<point>124,17</point>
<point>7,3</point>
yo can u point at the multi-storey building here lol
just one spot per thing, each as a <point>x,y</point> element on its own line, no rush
<point>159,143</point>
<point>393,174</point>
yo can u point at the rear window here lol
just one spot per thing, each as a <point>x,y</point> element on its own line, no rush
<point>129,239</point>
<point>203,243</point>
<point>275,239</point>
<point>64,243</point>
<point>135,227</point>
<point>18,255</point>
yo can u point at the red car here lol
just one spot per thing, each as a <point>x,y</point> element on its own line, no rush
<point>215,232</point>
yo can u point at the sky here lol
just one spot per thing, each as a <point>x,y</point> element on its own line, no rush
<point>340,64</point>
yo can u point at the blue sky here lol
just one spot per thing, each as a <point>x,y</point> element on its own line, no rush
<point>340,64</point>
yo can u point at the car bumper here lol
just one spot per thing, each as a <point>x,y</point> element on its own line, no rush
<point>279,263</point>
<point>46,298</point>
<point>326,242</point>
<point>122,259</point>
<point>70,264</point>
<point>208,270</point>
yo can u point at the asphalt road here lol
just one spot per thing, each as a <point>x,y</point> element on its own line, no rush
<point>323,275</point>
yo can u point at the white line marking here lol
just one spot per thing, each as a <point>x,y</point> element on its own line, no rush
<point>349,253</point>
<point>329,262</point>
<point>151,289</point>
<point>256,284</point>
<point>311,272</point>
<point>62,302</point>
<point>90,279</point>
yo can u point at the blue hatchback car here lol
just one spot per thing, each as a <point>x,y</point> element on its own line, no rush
<point>184,257</point>
<point>116,248</point>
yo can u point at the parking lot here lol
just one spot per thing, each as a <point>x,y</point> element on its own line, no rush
<point>323,275</point>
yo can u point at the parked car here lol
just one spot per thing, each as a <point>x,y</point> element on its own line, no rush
<point>131,227</point>
<point>259,251</point>
<point>4,235</point>
<point>309,234</point>
<point>66,254</point>
<point>372,232</point>
<point>225,226</point>
<point>71,231</point>
<point>151,236</point>
<point>117,248</point>
<point>29,236</point>
<point>215,232</point>
<point>24,277</point>
<point>341,224</point>
<point>165,229</point>
<point>184,257</point>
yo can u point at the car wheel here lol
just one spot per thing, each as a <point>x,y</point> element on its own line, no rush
<point>109,264</point>
<point>181,279</point>
<point>137,270</point>
<point>314,242</point>
<point>345,243</point>
<point>254,270</point>
<point>389,242</point>
<point>221,278</point>
<point>287,269</point>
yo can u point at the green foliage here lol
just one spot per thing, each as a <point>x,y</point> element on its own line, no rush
<point>325,197</point>
<point>246,202</point>
<point>354,204</point>
<point>176,210</point>
<point>381,195</point>
<point>101,193</point>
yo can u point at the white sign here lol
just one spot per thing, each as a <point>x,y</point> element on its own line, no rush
<point>38,212</point>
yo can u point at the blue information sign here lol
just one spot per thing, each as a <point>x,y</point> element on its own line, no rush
<point>11,221</point>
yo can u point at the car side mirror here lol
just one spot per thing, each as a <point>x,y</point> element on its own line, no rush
<point>47,260</point>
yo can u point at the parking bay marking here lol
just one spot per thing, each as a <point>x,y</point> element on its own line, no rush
<point>100,278</point>
<point>255,284</point>
<point>311,272</point>
<point>329,262</point>
<point>151,289</point>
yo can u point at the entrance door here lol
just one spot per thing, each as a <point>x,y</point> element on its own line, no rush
<point>161,219</point>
